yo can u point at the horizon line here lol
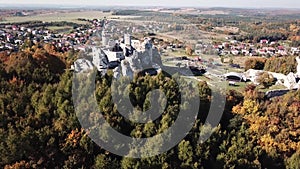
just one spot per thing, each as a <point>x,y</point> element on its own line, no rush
<point>133,6</point>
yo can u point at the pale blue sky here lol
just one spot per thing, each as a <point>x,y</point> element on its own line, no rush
<point>194,3</point>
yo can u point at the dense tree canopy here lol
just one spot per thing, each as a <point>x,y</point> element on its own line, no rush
<point>39,127</point>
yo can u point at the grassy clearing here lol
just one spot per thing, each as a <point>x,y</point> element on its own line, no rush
<point>239,86</point>
<point>203,78</point>
<point>176,53</point>
<point>60,29</point>
<point>59,16</point>
<point>274,87</point>
<point>65,16</point>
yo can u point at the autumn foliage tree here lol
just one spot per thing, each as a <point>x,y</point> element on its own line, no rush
<point>39,126</point>
<point>255,63</point>
<point>283,65</point>
<point>275,123</point>
<point>189,51</point>
<point>266,79</point>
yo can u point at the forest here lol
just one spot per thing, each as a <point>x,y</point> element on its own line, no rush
<point>252,27</point>
<point>283,65</point>
<point>39,127</point>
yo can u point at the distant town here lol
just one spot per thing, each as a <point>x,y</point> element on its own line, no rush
<point>110,41</point>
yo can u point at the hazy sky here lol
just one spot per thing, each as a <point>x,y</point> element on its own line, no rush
<point>192,3</point>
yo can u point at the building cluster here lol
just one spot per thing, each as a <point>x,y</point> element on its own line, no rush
<point>263,48</point>
<point>13,37</point>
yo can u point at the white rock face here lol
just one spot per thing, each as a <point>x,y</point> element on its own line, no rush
<point>134,62</point>
<point>298,66</point>
<point>99,58</point>
<point>83,65</point>
<point>117,72</point>
<point>126,69</point>
<point>289,81</point>
<point>252,75</point>
<point>140,60</point>
<point>146,57</point>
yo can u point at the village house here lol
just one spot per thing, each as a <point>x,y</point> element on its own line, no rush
<point>264,41</point>
<point>295,51</point>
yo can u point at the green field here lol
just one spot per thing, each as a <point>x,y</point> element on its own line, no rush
<point>60,29</point>
<point>59,16</point>
<point>274,87</point>
<point>70,16</point>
